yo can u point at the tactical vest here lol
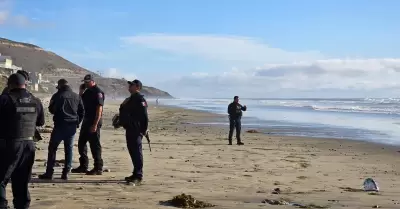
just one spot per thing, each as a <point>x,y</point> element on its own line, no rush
<point>23,122</point>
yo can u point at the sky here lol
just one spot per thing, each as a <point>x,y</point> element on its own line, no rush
<point>222,48</point>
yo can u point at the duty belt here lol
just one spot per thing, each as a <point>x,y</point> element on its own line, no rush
<point>20,139</point>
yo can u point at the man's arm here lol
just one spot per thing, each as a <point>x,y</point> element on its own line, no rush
<point>40,117</point>
<point>81,111</point>
<point>52,104</point>
<point>230,109</point>
<point>99,108</point>
<point>243,108</point>
<point>144,118</point>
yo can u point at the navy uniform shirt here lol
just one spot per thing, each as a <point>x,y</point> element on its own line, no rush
<point>92,98</point>
<point>7,109</point>
<point>133,113</point>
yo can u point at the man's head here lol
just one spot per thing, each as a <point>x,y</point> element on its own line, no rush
<point>16,80</point>
<point>82,89</point>
<point>135,86</point>
<point>88,80</point>
<point>236,99</point>
<point>25,74</point>
<point>62,82</point>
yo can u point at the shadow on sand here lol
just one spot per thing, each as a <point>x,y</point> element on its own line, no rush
<point>76,181</point>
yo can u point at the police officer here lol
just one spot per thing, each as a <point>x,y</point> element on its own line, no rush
<point>93,101</point>
<point>235,114</point>
<point>133,117</point>
<point>20,113</point>
<point>68,111</point>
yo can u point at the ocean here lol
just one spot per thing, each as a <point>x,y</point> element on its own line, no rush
<point>368,119</point>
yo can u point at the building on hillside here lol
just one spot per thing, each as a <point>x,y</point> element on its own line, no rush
<point>7,66</point>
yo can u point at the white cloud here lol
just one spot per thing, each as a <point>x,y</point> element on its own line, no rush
<point>323,78</point>
<point>115,73</point>
<point>3,17</point>
<point>8,18</point>
<point>4,11</point>
<point>221,48</point>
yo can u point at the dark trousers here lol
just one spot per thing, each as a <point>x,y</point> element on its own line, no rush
<point>86,136</point>
<point>17,160</point>
<point>235,123</point>
<point>134,143</point>
<point>66,133</point>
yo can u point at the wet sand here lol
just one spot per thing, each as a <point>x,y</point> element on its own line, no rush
<point>196,160</point>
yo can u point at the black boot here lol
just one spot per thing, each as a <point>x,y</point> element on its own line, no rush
<point>46,176</point>
<point>79,169</point>
<point>64,175</point>
<point>95,172</point>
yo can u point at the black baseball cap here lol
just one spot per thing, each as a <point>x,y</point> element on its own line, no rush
<point>136,83</point>
<point>24,73</point>
<point>16,79</point>
<point>88,78</point>
<point>61,82</point>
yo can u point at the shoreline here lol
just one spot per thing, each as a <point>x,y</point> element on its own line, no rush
<point>271,131</point>
<point>196,160</point>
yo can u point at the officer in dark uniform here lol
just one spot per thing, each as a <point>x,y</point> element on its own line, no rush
<point>20,113</point>
<point>133,117</point>
<point>93,101</point>
<point>235,114</point>
<point>68,111</point>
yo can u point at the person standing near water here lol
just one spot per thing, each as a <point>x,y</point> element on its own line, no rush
<point>235,115</point>
<point>133,117</point>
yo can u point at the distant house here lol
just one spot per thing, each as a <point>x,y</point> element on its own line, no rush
<point>7,66</point>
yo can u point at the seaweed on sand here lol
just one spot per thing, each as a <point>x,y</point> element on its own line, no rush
<point>187,201</point>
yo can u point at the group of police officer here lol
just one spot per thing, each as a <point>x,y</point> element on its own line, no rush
<point>21,113</point>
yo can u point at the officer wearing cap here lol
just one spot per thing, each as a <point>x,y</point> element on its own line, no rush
<point>93,101</point>
<point>26,76</point>
<point>133,117</point>
<point>20,113</point>
<point>68,111</point>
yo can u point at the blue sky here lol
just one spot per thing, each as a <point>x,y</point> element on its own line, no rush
<point>212,48</point>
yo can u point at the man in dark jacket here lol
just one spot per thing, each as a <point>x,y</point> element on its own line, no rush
<point>68,111</point>
<point>235,115</point>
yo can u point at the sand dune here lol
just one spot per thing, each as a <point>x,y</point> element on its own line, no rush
<point>196,160</point>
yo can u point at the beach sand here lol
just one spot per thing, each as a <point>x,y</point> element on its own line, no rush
<point>196,160</point>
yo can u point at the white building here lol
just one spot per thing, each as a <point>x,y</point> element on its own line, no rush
<point>7,65</point>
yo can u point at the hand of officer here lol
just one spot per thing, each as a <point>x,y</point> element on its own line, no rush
<point>144,134</point>
<point>93,128</point>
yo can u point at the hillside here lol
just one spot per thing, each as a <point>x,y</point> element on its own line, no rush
<point>53,67</point>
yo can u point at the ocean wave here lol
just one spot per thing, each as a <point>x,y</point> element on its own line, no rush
<point>360,105</point>
<point>375,106</point>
